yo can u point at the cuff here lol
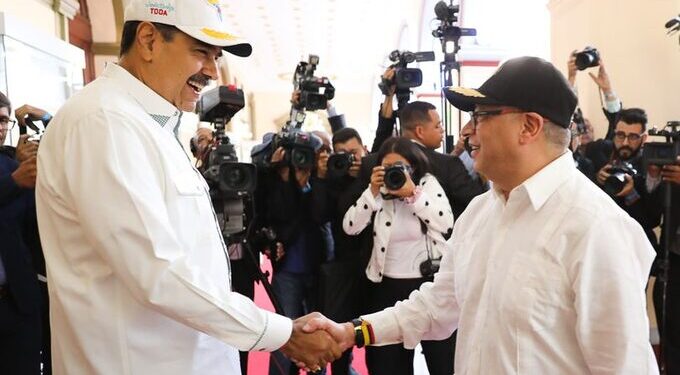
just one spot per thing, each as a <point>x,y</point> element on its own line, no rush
<point>276,333</point>
<point>385,327</point>
<point>374,203</point>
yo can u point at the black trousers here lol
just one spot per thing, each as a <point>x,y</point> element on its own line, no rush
<point>19,339</point>
<point>395,359</point>
<point>672,354</point>
<point>242,283</point>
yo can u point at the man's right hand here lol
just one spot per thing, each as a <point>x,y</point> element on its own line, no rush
<point>25,149</point>
<point>571,68</point>
<point>33,113</point>
<point>377,179</point>
<point>311,350</point>
<point>602,174</point>
<point>342,333</point>
<point>25,175</point>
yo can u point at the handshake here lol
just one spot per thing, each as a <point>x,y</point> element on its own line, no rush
<point>317,341</point>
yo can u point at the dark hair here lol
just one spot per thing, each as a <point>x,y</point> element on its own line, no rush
<point>345,134</point>
<point>632,116</point>
<point>4,102</point>
<point>413,113</point>
<point>127,38</point>
<point>409,151</point>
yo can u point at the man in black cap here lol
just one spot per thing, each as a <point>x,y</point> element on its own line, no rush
<point>545,274</point>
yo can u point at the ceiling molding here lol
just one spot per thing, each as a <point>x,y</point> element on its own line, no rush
<point>107,49</point>
<point>68,8</point>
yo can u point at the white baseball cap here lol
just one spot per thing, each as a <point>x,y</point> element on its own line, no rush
<point>200,19</point>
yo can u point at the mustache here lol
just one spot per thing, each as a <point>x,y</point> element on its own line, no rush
<point>200,78</point>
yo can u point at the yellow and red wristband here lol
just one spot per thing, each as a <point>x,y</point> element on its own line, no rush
<point>363,333</point>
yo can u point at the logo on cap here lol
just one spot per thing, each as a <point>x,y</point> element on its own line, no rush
<point>158,8</point>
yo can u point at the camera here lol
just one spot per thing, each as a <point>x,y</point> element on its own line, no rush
<point>580,122</point>
<point>395,176</point>
<point>405,78</point>
<point>429,267</point>
<point>315,92</point>
<point>587,58</point>
<point>229,181</point>
<point>617,179</point>
<point>663,153</point>
<point>38,131</point>
<point>300,147</point>
<point>339,164</point>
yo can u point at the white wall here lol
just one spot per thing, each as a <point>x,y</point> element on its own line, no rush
<point>643,63</point>
<point>35,12</point>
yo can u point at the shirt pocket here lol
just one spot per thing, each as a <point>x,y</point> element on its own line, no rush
<point>188,185</point>
<point>544,301</point>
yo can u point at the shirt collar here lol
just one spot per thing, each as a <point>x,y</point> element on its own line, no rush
<point>539,187</point>
<point>162,111</point>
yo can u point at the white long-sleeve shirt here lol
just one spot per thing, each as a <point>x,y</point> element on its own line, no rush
<point>137,268</point>
<point>551,281</point>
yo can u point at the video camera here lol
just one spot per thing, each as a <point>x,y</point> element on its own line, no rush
<point>405,78</point>
<point>448,32</point>
<point>663,153</point>
<point>229,181</point>
<point>315,92</point>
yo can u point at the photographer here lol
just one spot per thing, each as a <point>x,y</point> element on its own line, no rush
<point>285,197</point>
<point>657,175</point>
<point>340,280</point>
<point>410,217</point>
<point>24,319</point>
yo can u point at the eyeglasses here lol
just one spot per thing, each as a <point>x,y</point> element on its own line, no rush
<point>632,137</point>
<point>478,116</point>
<point>7,123</point>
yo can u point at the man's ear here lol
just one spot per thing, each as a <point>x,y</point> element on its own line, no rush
<point>644,138</point>
<point>419,131</point>
<point>532,127</point>
<point>144,40</point>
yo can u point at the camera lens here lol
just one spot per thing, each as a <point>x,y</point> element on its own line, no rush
<point>587,58</point>
<point>395,178</point>
<point>615,183</point>
<point>301,158</point>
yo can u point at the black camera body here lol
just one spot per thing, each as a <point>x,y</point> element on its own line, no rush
<point>663,153</point>
<point>339,164</point>
<point>587,58</point>
<point>395,176</point>
<point>429,267</point>
<point>315,92</point>
<point>300,147</point>
<point>264,238</point>
<point>405,78</point>
<point>617,179</point>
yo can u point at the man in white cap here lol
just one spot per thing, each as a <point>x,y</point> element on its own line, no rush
<point>138,271</point>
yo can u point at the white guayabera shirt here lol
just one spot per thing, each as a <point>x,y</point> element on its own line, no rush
<point>137,268</point>
<point>551,281</point>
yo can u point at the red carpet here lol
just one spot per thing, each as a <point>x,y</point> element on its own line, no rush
<point>258,362</point>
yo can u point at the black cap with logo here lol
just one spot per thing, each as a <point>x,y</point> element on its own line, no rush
<point>528,83</point>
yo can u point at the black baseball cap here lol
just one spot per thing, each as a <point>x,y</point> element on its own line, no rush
<point>528,83</point>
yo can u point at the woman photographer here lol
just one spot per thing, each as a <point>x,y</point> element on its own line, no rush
<point>411,216</point>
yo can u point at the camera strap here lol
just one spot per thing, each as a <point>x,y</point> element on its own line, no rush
<point>423,229</point>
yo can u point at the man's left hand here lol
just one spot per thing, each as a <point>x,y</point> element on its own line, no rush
<point>671,172</point>
<point>628,187</point>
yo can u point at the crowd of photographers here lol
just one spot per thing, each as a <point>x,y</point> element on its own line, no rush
<point>348,231</point>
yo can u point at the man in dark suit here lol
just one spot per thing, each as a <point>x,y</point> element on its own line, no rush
<point>20,297</point>
<point>421,123</point>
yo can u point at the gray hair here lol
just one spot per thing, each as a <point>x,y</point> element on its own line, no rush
<point>556,135</point>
